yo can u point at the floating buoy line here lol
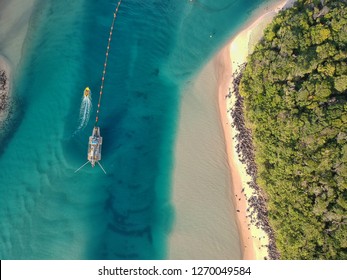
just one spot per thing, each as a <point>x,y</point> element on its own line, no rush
<point>106,60</point>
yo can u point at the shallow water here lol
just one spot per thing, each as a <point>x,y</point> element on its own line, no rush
<point>47,211</point>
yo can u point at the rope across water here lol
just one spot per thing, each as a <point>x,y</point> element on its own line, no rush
<point>106,60</point>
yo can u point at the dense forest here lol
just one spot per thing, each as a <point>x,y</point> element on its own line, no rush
<point>295,102</point>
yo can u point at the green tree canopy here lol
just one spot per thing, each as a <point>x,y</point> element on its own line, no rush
<point>295,100</point>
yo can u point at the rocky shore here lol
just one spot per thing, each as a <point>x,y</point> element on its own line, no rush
<point>257,212</point>
<point>4,90</point>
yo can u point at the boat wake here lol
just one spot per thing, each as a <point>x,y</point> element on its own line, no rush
<point>86,108</point>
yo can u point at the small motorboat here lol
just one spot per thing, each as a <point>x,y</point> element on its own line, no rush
<point>87,92</point>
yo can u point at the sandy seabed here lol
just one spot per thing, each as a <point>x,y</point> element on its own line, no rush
<point>204,227</point>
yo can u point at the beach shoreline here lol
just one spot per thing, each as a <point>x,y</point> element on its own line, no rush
<point>255,238</point>
<point>18,15</point>
<point>208,173</point>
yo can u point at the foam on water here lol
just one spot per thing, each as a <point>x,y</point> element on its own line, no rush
<point>85,111</point>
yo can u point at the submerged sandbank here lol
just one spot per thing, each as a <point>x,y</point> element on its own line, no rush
<point>204,227</point>
<point>254,235</point>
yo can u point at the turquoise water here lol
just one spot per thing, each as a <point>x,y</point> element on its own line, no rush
<point>46,210</point>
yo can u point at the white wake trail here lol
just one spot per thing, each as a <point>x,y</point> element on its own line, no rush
<point>85,110</point>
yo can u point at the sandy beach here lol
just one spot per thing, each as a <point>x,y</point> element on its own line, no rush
<point>255,240</point>
<point>14,22</point>
<point>210,183</point>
